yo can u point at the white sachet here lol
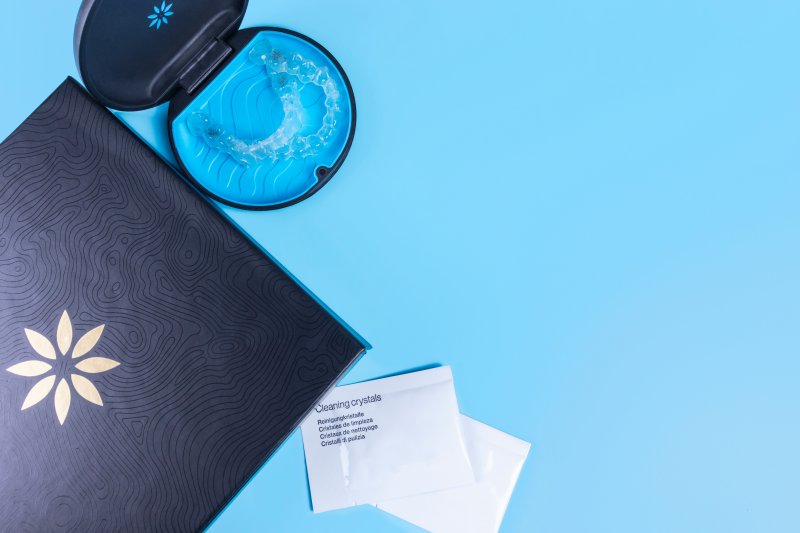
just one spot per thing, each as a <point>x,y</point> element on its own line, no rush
<point>497,459</point>
<point>386,438</point>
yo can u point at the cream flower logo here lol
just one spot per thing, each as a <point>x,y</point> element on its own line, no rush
<point>63,367</point>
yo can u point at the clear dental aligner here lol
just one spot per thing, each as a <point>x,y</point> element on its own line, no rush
<point>287,76</point>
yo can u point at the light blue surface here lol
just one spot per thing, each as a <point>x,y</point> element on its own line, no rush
<point>588,209</point>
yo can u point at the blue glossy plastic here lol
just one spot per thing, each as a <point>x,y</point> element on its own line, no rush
<point>241,101</point>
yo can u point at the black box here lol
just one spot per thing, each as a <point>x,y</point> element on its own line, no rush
<point>209,356</point>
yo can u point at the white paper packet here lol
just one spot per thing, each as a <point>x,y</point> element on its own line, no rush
<point>497,460</point>
<point>386,438</point>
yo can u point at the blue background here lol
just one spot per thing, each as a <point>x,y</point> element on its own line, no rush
<point>588,209</point>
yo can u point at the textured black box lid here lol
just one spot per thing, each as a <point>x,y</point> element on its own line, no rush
<point>210,354</point>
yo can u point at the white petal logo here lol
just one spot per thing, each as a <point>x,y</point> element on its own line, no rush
<point>44,348</point>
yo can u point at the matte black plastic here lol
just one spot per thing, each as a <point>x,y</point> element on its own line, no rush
<point>129,65</point>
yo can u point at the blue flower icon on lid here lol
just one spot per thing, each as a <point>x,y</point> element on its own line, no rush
<point>160,15</point>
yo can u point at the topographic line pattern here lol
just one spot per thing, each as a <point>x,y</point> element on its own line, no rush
<point>221,352</point>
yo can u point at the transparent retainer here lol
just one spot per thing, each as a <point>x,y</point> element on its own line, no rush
<point>288,91</point>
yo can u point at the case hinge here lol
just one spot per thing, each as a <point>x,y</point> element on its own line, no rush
<point>204,64</point>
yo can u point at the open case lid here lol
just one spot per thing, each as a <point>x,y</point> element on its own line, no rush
<point>134,54</point>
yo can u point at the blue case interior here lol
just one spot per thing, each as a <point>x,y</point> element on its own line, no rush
<point>258,131</point>
<point>241,100</point>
